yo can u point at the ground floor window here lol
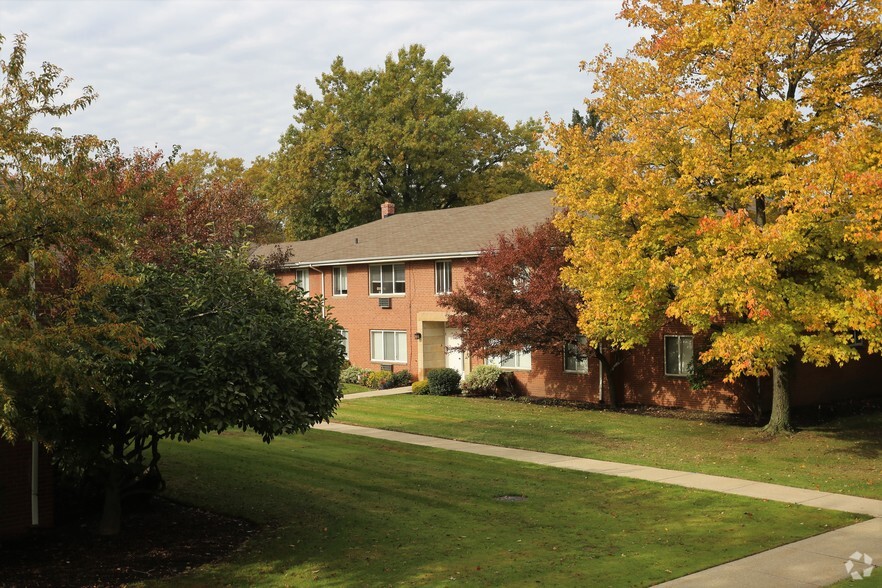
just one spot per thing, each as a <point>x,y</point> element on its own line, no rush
<point>518,360</point>
<point>575,359</point>
<point>678,355</point>
<point>345,334</point>
<point>389,346</point>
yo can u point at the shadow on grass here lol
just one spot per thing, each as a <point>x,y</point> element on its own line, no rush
<point>344,511</point>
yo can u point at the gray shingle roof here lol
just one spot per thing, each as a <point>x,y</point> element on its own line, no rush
<point>452,232</point>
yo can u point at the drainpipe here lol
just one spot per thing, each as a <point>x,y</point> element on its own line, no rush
<point>35,483</point>
<point>35,445</point>
<point>312,267</point>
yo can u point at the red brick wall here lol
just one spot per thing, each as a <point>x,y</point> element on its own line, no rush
<point>15,489</point>
<point>641,376</point>
<point>359,313</point>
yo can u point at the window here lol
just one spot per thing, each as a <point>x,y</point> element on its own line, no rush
<point>574,359</point>
<point>345,334</point>
<point>387,279</point>
<point>389,346</point>
<point>519,360</point>
<point>301,279</point>
<point>678,355</point>
<point>340,281</point>
<point>443,277</point>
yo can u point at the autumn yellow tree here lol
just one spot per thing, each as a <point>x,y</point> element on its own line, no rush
<point>735,184</point>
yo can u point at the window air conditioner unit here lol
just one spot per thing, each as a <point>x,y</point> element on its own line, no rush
<point>385,303</point>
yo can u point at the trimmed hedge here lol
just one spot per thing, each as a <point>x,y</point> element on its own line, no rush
<point>421,387</point>
<point>444,382</point>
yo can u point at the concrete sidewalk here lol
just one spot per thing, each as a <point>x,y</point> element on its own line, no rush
<point>375,393</point>
<point>817,561</point>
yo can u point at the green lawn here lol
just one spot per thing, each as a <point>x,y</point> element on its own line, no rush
<point>840,456</point>
<point>353,388</point>
<point>342,510</point>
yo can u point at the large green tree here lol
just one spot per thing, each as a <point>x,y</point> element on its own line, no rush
<point>392,134</point>
<point>102,353</point>
<point>735,184</point>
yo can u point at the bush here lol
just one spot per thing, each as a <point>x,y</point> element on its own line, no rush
<point>352,375</point>
<point>421,387</point>
<point>377,380</point>
<point>483,380</point>
<point>444,382</point>
<point>399,379</point>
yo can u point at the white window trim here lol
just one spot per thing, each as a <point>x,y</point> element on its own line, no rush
<point>576,371</point>
<point>345,334</point>
<point>679,351</point>
<point>305,285</point>
<point>372,294</point>
<point>497,361</point>
<point>448,264</point>
<point>345,272</point>
<point>403,353</point>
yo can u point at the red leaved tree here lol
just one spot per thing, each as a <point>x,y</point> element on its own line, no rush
<point>513,300</point>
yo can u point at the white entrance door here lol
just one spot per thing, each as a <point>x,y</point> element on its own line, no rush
<point>454,359</point>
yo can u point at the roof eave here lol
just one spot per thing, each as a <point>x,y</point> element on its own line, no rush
<point>384,259</point>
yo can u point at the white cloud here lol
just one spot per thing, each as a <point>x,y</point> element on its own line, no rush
<point>221,75</point>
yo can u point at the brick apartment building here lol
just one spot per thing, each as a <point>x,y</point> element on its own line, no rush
<point>381,282</point>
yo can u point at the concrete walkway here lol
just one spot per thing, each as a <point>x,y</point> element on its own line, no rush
<point>817,561</point>
<point>375,393</point>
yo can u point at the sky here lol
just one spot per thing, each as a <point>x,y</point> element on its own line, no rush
<point>220,75</point>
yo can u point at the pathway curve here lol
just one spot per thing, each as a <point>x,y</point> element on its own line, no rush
<point>817,561</point>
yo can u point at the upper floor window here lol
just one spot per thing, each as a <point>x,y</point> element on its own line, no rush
<point>443,277</point>
<point>517,360</point>
<point>575,359</point>
<point>301,279</point>
<point>340,281</point>
<point>678,355</point>
<point>387,278</point>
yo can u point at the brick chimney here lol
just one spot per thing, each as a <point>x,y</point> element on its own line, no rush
<point>387,209</point>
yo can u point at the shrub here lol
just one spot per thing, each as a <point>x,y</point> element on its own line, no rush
<point>377,380</point>
<point>444,382</point>
<point>352,375</point>
<point>399,379</point>
<point>421,387</point>
<point>483,380</point>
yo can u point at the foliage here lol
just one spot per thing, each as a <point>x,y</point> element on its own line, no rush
<point>353,374</point>
<point>420,387</point>
<point>513,299</point>
<point>443,382</point>
<point>228,348</point>
<point>734,184</point>
<point>66,212</point>
<point>401,379</point>
<point>482,380</point>
<point>202,198</point>
<point>378,380</point>
<point>391,134</point>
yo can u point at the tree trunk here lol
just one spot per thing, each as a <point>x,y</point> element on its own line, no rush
<point>779,420</point>
<point>111,517</point>
<point>608,369</point>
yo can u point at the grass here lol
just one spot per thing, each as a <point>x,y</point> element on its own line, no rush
<point>341,510</point>
<point>840,456</point>
<point>353,388</point>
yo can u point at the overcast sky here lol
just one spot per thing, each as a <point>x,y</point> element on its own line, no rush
<point>220,75</point>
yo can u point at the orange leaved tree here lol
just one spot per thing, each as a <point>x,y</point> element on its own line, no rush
<point>736,184</point>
